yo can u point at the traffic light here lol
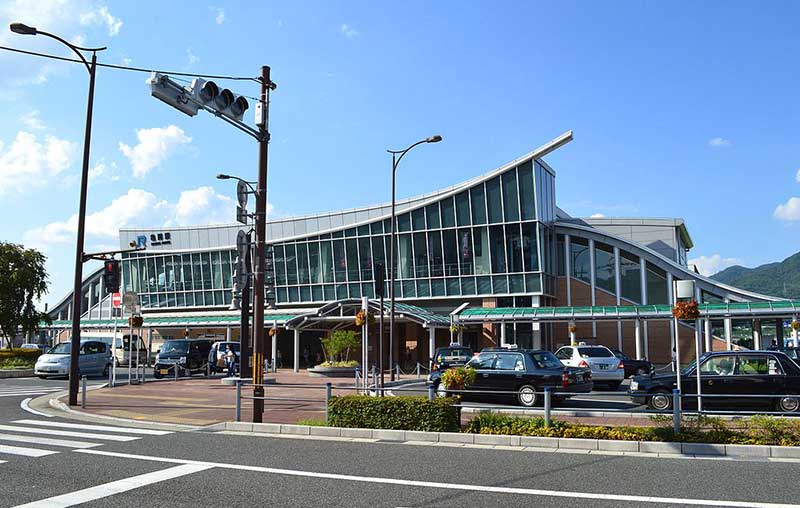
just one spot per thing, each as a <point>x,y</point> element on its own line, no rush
<point>111,275</point>
<point>380,279</point>
<point>223,101</point>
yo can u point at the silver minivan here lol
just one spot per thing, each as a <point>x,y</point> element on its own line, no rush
<point>94,358</point>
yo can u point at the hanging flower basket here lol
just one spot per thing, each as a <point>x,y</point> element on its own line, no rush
<point>273,331</point>
<point>363,317</point>
<point>572,328</point>
<point>454,329</point>
<point>687,311</point>
<point>795,325</point>
<point>135,321</point>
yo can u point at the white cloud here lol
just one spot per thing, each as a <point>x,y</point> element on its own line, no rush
<point>597,216</point>
<point>102,170</point>
<point>719,142</point>
<point>193,59</point>
<point>797,176</point>
<point>348,31</point>
<point>709,265</point>
<point>127,62</point>
<point>31,120</point>
<point>28,162</point>
<point>789,210</point>
<point>203,206</point>
<point>220,18</point>
<point>155,145</point>
<point>102,16</point>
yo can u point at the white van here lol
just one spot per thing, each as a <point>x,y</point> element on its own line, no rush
<point>122,351</point>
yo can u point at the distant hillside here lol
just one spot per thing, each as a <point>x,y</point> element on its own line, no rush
<point>775,279</point>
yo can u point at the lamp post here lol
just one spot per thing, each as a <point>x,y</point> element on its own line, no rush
<point>397,156</point>
<point>77,295</point>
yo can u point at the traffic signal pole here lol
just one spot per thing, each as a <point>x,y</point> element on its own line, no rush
<point>259,342</point>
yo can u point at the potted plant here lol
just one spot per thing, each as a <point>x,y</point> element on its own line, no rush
<point>687,311</point>
<point>337,349</point>
<point>458,378</point>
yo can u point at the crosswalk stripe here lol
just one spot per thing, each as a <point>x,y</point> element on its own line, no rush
<point>27,452</point>
<point>47,441</point>
<point>106,428</point>
<point>56,432</point>
<point>24,392</point>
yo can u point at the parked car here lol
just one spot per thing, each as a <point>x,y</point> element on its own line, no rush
<point>790,351</point>
<point>122,349</point>
<point>216,357</point>
<point>94,358</point>
<point>633,367</point>
<point>606,368</point>
<point>728,373</point>
<point>526,373</point>
<point>452,355</point>
<point>188,356</point>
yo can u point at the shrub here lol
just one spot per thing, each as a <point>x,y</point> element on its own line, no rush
<point>311,422</point>
<point>458,378</point>
<point>18,358</point>
<point>396,413</point>
<point>349,363</point>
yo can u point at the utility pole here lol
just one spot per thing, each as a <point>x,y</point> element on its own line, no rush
<point>259,344</point>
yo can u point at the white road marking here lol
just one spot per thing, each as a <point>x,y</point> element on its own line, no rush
<point>46,441</point>
<point>64,433</point>
<point>25,405</point>
<point>26,392</point>
<point>116,487</point>
<point>106,428</point>
<point>27,452</point>
<point>456,486</point>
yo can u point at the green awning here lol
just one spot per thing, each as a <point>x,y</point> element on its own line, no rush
<point>174,322</point>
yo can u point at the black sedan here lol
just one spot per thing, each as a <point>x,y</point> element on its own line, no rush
<point>726,376</point>
<point>633,367</point>
<point>522,375</point>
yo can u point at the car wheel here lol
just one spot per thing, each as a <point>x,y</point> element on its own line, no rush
<point>157,374</point>
<point>789,404</point>
<point>660,401</point>
<point>441,390</point>
<point>526,396</point>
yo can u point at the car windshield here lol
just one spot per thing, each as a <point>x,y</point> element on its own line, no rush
<point>175,347</point>
<point>594,352</point>
<point>547,361</point>
<point>60,349</point>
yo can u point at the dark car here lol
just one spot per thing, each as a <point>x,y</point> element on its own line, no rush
<point>728,373</point>
<point>188,356</point>
<point>524,372</point>
<point>790,351</point>
<point>633,367</point>
<point>446,357</point>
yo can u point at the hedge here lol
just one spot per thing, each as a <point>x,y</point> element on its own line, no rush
<point>18,358</point>
<point>758,430</point>
<point>395,413</point>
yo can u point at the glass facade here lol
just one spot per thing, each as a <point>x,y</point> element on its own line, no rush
<point>605,272</point>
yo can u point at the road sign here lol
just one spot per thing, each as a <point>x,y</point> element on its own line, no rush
<point>116,300</point>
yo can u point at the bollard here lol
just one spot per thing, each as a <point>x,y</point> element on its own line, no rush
<point>417,370</point>
<point>431,392</point>
<point>238,400</point>
<point>175,367</point>
<point>374,378</point>
<point>397,367</point>
<point>548,405</point>
<point>327,400</point>
<point>111,376</point>
<point>83,392</point>
<point>676,411</point>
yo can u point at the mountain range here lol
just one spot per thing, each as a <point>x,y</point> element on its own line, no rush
<point>776,279</point>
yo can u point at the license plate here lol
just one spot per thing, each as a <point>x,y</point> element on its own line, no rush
<point>163,371</point>
<point>603,366</point>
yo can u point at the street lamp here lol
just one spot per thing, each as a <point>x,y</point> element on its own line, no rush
<point>397,156</point>
<point>80,256</point>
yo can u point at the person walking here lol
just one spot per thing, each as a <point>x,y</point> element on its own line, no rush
<point>279,360</point>
<point>230,360</point>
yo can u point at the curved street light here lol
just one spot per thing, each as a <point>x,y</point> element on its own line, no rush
<point>397,156</point>
<point>77,296</point>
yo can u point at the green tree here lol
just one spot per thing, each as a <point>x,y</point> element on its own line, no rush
<point>337,347</point>
<point>23,280</point>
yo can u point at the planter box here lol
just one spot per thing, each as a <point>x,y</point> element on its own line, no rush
<point>9,373</point>
<point>332,371</point>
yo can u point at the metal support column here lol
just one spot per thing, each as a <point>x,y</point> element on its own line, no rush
<point>707,331</point>
<point>638,334</point>
<point>431,342</point>
<point>795,338</point>
<point>568,269</point>
<point>593,281</point>
<point>296,351</point>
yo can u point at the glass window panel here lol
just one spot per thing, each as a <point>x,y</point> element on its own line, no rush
<point>365,258</point>
<point>418,219</point>
<point>341,292</point>
<point>376,228</point>
<point>581,264</point>
<point>404,257</point>
<point>423,288</point>
<point>180,300</point>
<point>280,265</point>
<point>465,251</point>
<point>604,267</point>
<point>207,282</point>
<point>368,289</point>
<point>326,260</point>
<point>329,292</point>
<point>378,253</point>
<point>494,200</point>
<point>526,193</point>
<point>404,222</point>
<point>363,230</point>
<point>437,287</point>
<point>339,261</point>
<point>282,295</point>
<point>656,286</point>
<point>481,242</point>
<point>291,263</point>
<point>302,263</point>
<point>197,271</point>
<point>126,274</point>
<point>499,284</point>
<point>294,294</point>
<point>514,248</point>
<point>208,297</point>
<point>353,269</point>
<point>453,287</point>
<point>560,263</point>
<point>409,289</point>
<point>161,279</point>
<point>420,255</point>
<point>448,213</point>
<point>462,208</point>
<point>227,270</point>
<point>530,247</point>
<point>350,232</point>
<point>517,283</point>
<point>484,285</point>
<point>305,294</point>
<point>136,276</point>
<point>354,290</point>
<point>510,198</point>
<point>170,269</point>
<point>316,293</point>
<point>218,299</point>
<point>150,265</point>
<point>435,253</point>
<point>314,268</point>
<point>432,211</point>
<point>337,234</point>
<point>468,285</point>
<point>450,252</point>
<point>498,246</point>
<point>478,198</point>
<point>630,277</point>
<point>185,272</point>
<point>216,268</point>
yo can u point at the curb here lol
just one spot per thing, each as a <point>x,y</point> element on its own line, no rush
<point>16,373</point>
<point>535,443</point>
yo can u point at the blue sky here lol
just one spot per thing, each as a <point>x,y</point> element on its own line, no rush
<point>686,109</point>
